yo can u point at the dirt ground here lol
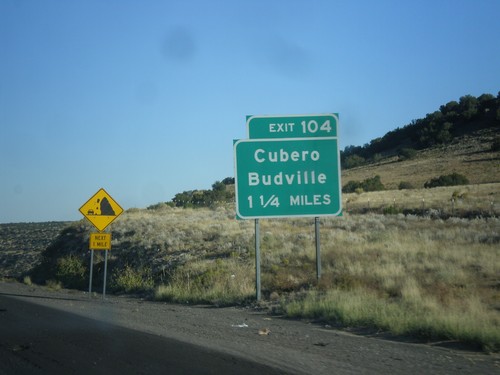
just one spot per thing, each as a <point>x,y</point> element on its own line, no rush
<point>253,336</point>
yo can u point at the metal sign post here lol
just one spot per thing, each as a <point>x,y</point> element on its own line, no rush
<point>99,241</point>
<point>91,268</point>
<point>318,252</point>
<point>105,273</point>
<point>257,259</point>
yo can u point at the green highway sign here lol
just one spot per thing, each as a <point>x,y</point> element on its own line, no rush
<point>287,177</point>
<point>292,126</point>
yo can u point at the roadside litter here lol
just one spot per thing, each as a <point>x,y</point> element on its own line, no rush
<point>264,331</point>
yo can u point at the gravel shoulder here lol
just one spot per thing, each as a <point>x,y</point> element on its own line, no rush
<point>298,347</point>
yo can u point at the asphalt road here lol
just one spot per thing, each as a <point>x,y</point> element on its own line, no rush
<point>66,332</point>
<point>40,340</point>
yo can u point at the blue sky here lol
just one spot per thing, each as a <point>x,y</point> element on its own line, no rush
<point>144,98</point>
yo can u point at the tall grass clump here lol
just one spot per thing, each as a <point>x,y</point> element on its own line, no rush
<point>221,282</point>
<point>470,323</point>
<point>27,280</point>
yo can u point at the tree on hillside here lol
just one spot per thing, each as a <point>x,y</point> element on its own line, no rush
<point>228,181</point>
<point>406,153</point>
<point>468,106</point>
<point>353,161</point>
<point>203,198</point>
<point>440,127</point>
<point>447,180</point>
<point>450,108</point>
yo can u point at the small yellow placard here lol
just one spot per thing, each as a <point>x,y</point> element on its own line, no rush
<point>100,241</point>
<point>101,210</point>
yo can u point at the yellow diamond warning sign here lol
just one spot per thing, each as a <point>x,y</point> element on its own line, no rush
<point>101,210</point>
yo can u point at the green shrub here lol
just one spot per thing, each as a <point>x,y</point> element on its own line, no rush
<point>351,187</point>
<point>373,184</point>
<point>406,153</point>
<point>447,180</point>
<point>129,280</point>
<point>377,158</point>
<point>353,161</point>
<point>495,146</point>
<point>392,210</point>
<point>405,185</point>
<point>370,184</point>
<point>71,272</point>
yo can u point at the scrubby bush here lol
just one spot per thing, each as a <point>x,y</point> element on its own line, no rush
<point>459,195</point>
<point>373,184</point>
<point>54,285</point>
<point>351,186</point>
<point>130,280</point>
<point>370,184</point>
<point>159,206</point>
<point>406,153</point>
<point>204,198</point>
<point>392,210</point>
<point>71,272</point>
<point>405,185</point>
<point>353,161</point>
<point>377,158</point>
<point>495,146</point>
<point>447,180</point>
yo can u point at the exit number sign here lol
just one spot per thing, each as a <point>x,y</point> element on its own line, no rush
<point>292,126</point>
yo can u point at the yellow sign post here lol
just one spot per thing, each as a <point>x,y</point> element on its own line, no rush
<point>101,210</point>
<point>100,241</point>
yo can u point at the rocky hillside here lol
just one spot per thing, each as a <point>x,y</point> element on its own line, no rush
<point>21,245</point>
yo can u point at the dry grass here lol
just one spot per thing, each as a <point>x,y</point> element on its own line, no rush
<point>467,200</point>
<point>407,275</point>
<point>413,275</point>
<point>206,281</point>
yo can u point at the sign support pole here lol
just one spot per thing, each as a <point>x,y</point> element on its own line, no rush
<point>105,272</point>
<point>318,250</point>
<point>91,269</point>
<point>257,259</point>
